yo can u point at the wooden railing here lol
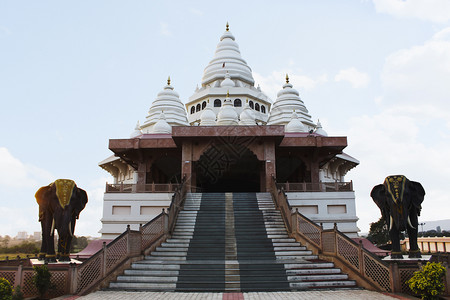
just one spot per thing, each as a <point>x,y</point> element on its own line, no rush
<point>177,204</point>
<point>281,203</point>
<point>367,269</point>
<point>108,262</point>
<point>141,188</point>
<point>316,187</point>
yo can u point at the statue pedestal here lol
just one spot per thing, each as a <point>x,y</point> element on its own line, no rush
<point>37,262</point>
<point>406,259</point>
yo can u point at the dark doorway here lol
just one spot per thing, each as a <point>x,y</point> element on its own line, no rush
<point>166,169</point>
<point>292,169</point>
<point>228,168</point>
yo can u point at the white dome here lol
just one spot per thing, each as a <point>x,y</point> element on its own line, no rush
<point>227,114</point>
<point>227,81</point>
<point>295,125</point>
<point>208,117</point>
<point>227,58</point>
<point>247,116</point>
<point>137,131</point>
<point>161,126</point>
<point>288,99</point>
<point>319,130</point>
<point>168,101</point>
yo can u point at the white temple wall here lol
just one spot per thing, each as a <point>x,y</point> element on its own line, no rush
<point>122,209</point>
<point>328,208</point>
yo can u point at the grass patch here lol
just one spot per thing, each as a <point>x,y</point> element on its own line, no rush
<point>12,256</point>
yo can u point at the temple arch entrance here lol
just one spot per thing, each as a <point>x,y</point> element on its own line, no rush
<point>228,168</point>
<point>292,169</point>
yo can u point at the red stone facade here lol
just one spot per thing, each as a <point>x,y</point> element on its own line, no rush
<point>228,158</point>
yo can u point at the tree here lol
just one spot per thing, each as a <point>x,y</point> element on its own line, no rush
<point>379,232</point>
<point>78,244</point>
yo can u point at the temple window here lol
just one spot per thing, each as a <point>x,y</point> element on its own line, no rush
<point>257,107</point>
<point>192,110</point>
<point>251,104</point>
<point>237,103</point>
<point>263,109</point>
<point>217,103</point>
<point>203,105</point>
<point>198,107</point>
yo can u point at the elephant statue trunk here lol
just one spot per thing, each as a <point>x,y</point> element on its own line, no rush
<point>60,204</point>
<point>400,201</point>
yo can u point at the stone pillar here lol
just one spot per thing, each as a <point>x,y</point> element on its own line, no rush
<point>269,157</point>
<point>141,175</point>
<point>186,163</point>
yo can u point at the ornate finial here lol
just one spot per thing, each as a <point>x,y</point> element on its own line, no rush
<point>168,81</point>
<point>228,27</point>
<point>228,94</point>
<point>287,78</point>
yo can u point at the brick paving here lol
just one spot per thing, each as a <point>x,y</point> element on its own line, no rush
<point>307,295</point>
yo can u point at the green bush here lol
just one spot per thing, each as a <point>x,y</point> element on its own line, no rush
<point>18,294</point>
<point>5,289</point>
<point>428,281</point>
<point>41,279</point>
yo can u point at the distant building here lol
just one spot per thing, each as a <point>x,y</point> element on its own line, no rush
<point>22,235</point>
<point>228,137</point>
<point>430,244</point>
<point>36,236</point>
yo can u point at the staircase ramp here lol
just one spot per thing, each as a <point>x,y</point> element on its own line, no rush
<point>230,242</point>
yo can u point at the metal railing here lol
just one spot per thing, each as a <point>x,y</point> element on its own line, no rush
<point>366,268</point>
<point>104,265</point>
<point>141,188</point>
<point>316,187</point>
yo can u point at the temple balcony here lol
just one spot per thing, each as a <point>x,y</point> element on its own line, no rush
<point>316,187</point>
<point>141,188</point>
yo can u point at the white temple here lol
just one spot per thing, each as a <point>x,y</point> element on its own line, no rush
<point>282,141</point>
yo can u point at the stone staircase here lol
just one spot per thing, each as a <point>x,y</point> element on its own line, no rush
<point>230,242</point>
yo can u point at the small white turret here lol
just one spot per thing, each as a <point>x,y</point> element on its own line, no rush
<point>162,127</point>
<point>295,125</point>
<point>247,116</point>
<point>137,131</point>
<point>319,130</point>
<point>227,82</point>
<point>208,117</point>
<point>227,114</point>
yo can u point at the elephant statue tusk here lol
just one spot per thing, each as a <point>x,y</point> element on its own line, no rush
<point>70,229</point>
<point>53,227</point>
<point>409,223</point>
<point>391,220</point>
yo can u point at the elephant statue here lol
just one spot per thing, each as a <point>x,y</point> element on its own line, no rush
<point>399,200</point>
<point>60,204</point>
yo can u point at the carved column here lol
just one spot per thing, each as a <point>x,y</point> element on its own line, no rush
<point>141,175</point>
<point>186,162</point>
<point>269,156</point>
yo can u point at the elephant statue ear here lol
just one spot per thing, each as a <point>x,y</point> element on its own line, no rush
<point>417,195</point>
<point>83,199</point>
<point>378,195</point>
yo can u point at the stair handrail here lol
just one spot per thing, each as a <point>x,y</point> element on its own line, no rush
<point>281,203</point>
<point>177,204</point>
<point>91,273</point>
<point>332,243</point>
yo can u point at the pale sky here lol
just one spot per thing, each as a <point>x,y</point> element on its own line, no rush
<point>75,74</point>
